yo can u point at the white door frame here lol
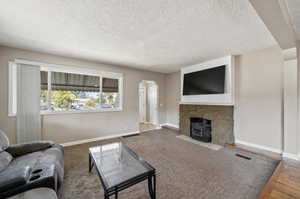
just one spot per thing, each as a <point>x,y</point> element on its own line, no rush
<point>142,103</point>
<point>153,115</point>
<point>153,103</point>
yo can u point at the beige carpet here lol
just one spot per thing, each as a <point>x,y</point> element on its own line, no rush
<point>184,170</point>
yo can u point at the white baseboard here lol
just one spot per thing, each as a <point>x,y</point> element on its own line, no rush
<point>291,156</point>
<point>258,146</point>
<point>97,139</point>
<point>171,125</point>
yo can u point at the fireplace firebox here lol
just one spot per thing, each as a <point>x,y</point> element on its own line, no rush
<point>200,129</point>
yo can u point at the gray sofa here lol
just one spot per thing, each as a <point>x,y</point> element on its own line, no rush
<point>30,165</point>
<point>38,193</point>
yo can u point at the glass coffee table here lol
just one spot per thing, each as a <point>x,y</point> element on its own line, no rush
<point>118,168</point>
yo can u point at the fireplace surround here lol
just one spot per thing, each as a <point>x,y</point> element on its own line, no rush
<point>221,118</point>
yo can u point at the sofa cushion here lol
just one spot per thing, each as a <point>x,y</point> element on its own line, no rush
<point>13,178</point>
<point>4,142</point>
<point>28,160</point>
<point>5,159</point>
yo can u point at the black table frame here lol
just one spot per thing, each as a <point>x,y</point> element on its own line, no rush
<point>150,176</point>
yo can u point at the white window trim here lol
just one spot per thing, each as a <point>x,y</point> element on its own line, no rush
<point>12,101</point>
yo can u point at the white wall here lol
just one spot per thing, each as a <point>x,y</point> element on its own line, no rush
<point>290,107</point>
<point>258,108</point>
<point>71,127</point>
<point>172,98</point>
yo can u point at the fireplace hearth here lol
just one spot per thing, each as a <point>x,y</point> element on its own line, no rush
<point>200,129</point>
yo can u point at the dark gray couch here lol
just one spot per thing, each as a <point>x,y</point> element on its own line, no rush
<point>30,165</point>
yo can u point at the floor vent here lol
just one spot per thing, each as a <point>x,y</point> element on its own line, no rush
<point>243,156</point>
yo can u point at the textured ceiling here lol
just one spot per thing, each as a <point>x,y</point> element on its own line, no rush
<point>157,35</point>
<point>294,11</point>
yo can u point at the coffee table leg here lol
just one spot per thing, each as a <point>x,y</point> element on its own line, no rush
<point>152,186</point>
<point>90,163</point>
<point>116,194</point>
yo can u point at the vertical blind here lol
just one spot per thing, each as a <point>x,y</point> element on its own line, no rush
<point>28,103</point>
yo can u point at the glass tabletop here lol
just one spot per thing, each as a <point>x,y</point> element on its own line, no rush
<point>116,163</point>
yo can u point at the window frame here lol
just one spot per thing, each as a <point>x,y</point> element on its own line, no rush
<point>12,104</point>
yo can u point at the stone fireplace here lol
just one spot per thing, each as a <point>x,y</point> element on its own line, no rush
<point>208,123</point>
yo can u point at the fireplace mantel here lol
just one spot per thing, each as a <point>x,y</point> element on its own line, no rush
<point>221,117</point>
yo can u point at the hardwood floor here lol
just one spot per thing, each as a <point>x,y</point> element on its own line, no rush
<point>285,182</point>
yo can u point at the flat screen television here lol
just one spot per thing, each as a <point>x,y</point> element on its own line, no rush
<point>205,82</point>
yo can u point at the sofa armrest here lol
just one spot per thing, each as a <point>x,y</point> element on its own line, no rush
<point>13,178</point>
<point>22,149</point>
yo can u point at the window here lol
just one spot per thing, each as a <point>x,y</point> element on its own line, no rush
<point>71,91</point>
<point>66,89</point>
<point>110,93</point>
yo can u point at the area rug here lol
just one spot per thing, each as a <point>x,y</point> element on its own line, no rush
<point>184,170</point>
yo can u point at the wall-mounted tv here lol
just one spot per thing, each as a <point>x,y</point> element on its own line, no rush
<point>205,82</point>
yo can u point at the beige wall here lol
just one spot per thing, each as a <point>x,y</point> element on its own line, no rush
<point>258,109</point>
<point>71,127</point>
<point>173,87</point>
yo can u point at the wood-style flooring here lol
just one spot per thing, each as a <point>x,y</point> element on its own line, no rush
<point>285,182</point>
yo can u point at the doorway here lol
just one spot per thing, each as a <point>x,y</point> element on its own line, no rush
<point>148,105</point>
